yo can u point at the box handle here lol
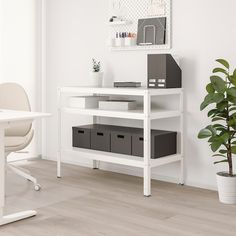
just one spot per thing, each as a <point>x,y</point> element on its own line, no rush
<point>120,136</point>
<point>141,139</point>
<point>99,134</point>
<point>81,131</point>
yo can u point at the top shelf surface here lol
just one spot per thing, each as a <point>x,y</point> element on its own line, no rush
<point>120,91</point>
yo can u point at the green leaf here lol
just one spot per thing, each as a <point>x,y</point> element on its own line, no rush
<point>218,162</point>
<point>231,92</point>
<point>233,142</point>
<point>218,155</point>
<point>204,133</point>
<point>231,99</point>
<point>232,122</point>
<point>215,146</point>
<point>232,79</point>
<point>221,70</point>
<point>234,74</point>
<point>209,88</point>
<point>212,112</point>
<point>218,97</point>
<point>223,62</point>
<point>218,84</point>
<point>212,129</point>
<point>204,104</point>
<point>233,149</point>
<point>223,151</point>
<point>225,137</point>
<point>222,105</point>
<point>219,126</point>
<point>232,109</point>
<point>217,119</point>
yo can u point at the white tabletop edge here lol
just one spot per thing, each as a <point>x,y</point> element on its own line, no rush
<point>13,115</point>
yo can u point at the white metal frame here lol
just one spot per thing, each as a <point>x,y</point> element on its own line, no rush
<point>146,115</point>
<point>9,118</point>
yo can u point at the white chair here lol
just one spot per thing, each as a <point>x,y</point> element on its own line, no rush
<point>19,136</point>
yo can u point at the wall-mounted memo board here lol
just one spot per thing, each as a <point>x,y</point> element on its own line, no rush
<point>130,11</point>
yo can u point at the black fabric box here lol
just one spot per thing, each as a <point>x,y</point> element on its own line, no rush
<point>81,137</point>
<point>100,139</point>
<point>124,140</point>
<point>121,142</point>
<point>163,143</point>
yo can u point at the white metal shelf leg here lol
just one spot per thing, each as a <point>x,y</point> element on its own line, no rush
<point>147,181</point>
<point>147,147</point>
<point>2,172</point>
<point>96,164</point>
<point>13,217</point>
<point>181,177</point>
<point>59,133</point>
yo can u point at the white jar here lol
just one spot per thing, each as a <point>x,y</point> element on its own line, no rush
<point>120,42</point>
<point>130,41</point>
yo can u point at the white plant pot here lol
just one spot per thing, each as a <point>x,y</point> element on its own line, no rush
<point>226,188</point>
<point>120,42</point>
<point>96,79</point>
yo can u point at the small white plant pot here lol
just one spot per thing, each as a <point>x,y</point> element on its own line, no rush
<point>120,42</point>
<point>96,79</point>
<point>226,188</point>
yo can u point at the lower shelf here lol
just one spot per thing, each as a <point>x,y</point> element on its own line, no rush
<point>122,159</point>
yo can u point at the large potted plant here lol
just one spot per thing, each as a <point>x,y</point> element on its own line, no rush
<point>96,75</point>
<point>221,133</point>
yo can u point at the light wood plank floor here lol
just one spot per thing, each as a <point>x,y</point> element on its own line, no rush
<point>88,202</point>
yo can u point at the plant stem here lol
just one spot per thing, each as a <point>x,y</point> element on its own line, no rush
<point>229,151</point>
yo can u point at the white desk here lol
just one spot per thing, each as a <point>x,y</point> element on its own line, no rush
<point>10,118</point>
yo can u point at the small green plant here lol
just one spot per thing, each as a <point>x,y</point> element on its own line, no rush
<point>96,65</point>
<point>221,133</point>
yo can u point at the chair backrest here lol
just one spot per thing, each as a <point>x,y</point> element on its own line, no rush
<point>14,97</point>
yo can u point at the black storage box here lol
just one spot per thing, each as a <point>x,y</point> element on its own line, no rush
<point>124,140</point>
<point>100,138</point>
<point>121,142</point>
<point>81,137</point>
<point>163,143</point>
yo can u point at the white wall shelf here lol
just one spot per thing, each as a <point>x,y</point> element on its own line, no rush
<point>135,10</point>
<point>118,23</point>
<point>146,115</point>
<point>140,48</point>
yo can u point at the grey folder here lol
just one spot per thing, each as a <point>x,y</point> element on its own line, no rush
<point>151,31</point>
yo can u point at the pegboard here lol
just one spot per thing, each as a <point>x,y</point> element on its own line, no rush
<point>132,11</point>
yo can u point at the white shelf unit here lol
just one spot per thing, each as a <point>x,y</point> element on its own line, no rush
<point>146,115</point>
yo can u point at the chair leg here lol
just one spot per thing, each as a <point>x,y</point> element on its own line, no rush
<point>27,176</point>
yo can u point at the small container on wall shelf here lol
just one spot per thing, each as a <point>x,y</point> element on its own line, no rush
<point>123,39</point>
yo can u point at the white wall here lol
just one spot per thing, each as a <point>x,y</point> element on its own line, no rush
<point>21,51</point>
<point>202,31</point>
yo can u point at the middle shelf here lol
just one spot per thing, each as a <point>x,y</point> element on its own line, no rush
<point>131,114</point>
<point>123,159</point>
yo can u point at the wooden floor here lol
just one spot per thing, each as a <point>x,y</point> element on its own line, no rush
<point>89,202</point>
